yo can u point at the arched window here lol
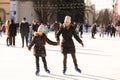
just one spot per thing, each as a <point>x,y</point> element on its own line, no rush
<point>2,14</point>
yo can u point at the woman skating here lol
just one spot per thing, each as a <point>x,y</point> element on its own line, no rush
<point>67,44</point>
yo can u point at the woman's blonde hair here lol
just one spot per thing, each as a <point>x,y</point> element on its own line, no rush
<point>67,19</point>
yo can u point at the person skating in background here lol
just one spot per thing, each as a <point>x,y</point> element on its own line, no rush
<point>56,26</point>
<point>0,27</point>
<point>24,30</point>
<point>35,25</point>
<point>113,30</point>
<point>81,29</point>
<point>39,42</point>
<point>93,30</point>
<point>33,28</point>
<point>67,44</point>
<point>7,25</point>
<point>102,30</point>
<point>3,28</point>
<point>75,25</point>
<point>87,27</point>
<point>12,32</point>
<point>108,30</point>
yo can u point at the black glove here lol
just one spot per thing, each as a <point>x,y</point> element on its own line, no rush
<point>29,48</point>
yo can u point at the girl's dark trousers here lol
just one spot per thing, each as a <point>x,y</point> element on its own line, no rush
<point>37,62</point>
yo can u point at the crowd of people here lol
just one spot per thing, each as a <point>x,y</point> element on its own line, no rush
<point>109,30</point>
<point>10,28</point>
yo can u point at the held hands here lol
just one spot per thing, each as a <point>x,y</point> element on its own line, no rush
<point>58,43</point>
<point>29,48</point>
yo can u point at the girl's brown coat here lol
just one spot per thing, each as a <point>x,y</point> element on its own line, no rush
<point>39,45</point>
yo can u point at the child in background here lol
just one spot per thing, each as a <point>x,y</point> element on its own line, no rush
<point>7,24</point>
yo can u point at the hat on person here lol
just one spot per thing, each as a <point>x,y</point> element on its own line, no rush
<point>41,27</point>
<point>67,18</point>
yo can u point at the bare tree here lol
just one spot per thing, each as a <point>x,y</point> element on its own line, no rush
<point>44,9</point>
<point>104,17</point>
<point>51,10</point>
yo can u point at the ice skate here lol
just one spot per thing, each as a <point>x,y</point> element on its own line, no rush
<point>64,71</point>
<point>78,70</point>
<point>37,72</point>
<point>48,71</point>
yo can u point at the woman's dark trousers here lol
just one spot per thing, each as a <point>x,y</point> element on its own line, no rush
<point>65,60</point>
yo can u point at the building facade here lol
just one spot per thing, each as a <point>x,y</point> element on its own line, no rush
<point>22,8</point>
<point>4,10</point>
<point>25,8</point>
<point>89,12</point>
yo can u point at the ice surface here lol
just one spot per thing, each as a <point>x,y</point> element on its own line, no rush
<point>99,59</point>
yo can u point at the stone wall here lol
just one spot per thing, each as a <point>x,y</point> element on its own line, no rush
<point>23,9</point>
<point>4,10</point>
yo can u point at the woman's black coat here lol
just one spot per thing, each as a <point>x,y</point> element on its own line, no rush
<point>67,44</point>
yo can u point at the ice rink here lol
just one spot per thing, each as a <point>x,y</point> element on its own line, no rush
<point>99,59</point>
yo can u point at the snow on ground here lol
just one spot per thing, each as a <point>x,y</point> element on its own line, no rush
<point>98,60</point>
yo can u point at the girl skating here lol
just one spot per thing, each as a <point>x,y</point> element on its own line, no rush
<point>39,42</point>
